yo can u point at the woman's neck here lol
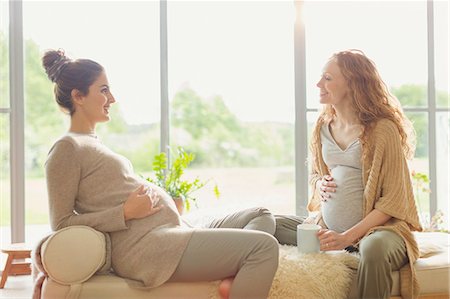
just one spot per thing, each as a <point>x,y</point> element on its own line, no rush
<point>346,116</point>
<point>81,126</point>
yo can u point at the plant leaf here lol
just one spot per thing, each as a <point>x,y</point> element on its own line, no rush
<point>216,191</point>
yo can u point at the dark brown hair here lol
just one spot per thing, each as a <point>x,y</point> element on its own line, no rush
<point>68,74</point>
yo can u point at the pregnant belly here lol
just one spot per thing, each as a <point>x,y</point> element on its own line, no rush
<point>344,209</point>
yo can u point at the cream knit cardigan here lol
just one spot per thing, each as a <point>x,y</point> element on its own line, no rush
<point>387,188</point>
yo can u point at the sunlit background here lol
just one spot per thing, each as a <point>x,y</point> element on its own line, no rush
<point>231,88</point>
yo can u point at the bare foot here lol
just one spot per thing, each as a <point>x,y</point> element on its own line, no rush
<point>225,287</point>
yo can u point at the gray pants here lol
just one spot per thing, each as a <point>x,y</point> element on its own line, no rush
<point>239,245</point>
<point>380,253</point>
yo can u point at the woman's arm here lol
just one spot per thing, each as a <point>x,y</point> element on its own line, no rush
<point>331,240</point>
<point>63,174</point>
<point>374,218</point>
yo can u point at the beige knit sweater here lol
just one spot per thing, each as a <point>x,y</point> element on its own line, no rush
<point>88,184</point>
<point>387,188</point>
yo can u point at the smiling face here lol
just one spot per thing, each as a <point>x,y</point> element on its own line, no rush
<point>333,86</point>
<point>96,103</point>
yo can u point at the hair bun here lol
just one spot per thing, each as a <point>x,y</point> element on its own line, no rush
<point>54,62</point>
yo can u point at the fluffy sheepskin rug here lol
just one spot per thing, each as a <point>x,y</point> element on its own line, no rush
<point>319,275</point>
<point>310,276</point>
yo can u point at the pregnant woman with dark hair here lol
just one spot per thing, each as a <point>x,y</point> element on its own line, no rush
<point>88,184</point>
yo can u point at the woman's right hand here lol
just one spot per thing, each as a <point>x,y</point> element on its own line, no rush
<point>326,186</point>
<point>141,203</point>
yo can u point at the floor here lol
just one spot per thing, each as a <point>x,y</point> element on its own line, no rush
<point>17,287</point>
<point>20,286</point>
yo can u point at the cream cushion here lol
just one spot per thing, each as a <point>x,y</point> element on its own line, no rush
<point>432,268</point>
<point>73,254</point>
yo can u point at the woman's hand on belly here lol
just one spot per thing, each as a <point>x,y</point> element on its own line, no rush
<point>326,186</point>
<point>331,240</point>
<point>141,203</point>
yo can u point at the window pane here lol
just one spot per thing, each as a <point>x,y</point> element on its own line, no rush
<point>4,55</point>
<point>420,165</point>
<point>441,52</point>
<point>125,40</point>
<point>231,86</point>
<point>376,28</point>
<point>5,184</point>
<point>443,165</point>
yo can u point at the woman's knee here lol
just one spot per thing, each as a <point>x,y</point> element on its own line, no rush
<point>262,220</point>
<point>261,211</point>
<point>268,244</point>
<point>373,249</point>
<point>273,245</point>
<point>272,249</point>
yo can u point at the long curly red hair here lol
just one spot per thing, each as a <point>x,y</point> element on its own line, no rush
<point>372,100</point>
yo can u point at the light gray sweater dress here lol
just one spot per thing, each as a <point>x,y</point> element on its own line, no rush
<point>345,207</point>
<point>88,185</point>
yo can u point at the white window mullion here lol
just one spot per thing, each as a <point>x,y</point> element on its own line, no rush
<point>17,125</point>
<point>431,110</point>
<point>165,124</point>
<point>301,122</point>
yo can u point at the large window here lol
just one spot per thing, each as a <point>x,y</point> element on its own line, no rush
<point>124,38</point>
<point>231,91</point>
<point>231,87</point>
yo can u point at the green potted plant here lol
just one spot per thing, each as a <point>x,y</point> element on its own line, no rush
<point>169,177</point>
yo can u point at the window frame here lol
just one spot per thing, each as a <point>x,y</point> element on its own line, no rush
<point>16,111</point>
<point>17,123</point>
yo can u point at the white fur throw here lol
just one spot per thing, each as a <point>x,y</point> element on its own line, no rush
<point>311,276</point>
<point>320,275</point>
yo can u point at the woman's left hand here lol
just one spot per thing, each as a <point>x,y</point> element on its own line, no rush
<point>331,240</point>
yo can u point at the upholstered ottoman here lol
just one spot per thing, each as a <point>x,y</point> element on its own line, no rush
<point>75,262</point>
<point>75,257</point>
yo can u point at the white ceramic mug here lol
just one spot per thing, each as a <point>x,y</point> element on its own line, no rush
<point>307,240</point>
